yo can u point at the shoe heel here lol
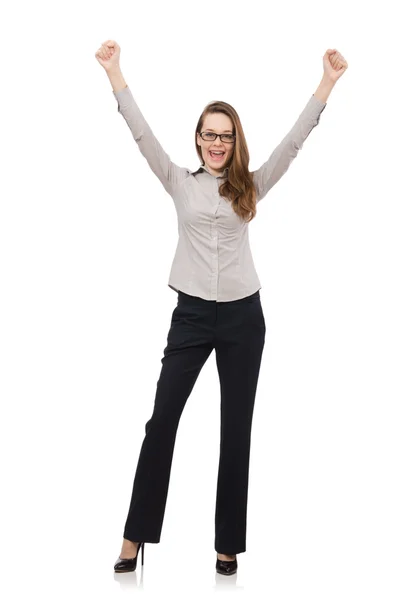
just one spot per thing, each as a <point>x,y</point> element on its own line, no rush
<point>143,548</point>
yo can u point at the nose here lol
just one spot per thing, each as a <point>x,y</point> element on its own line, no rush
<point>217,143</point>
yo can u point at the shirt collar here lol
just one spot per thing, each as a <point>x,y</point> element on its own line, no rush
<point>204,167</point>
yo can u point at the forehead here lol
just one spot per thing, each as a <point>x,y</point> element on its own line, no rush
<point>218,122</point>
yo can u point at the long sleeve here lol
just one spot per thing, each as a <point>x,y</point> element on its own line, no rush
<point>159,161</point>
<point>280,159</point>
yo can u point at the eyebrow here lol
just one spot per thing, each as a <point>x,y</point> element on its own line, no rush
<point>224,131</point>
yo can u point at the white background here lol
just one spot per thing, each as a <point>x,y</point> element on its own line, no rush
<point>87,237</point>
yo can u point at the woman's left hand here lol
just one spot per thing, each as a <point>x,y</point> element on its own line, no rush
<point>334,65</point>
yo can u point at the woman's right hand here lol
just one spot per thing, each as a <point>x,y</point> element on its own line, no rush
<point>108,55</point>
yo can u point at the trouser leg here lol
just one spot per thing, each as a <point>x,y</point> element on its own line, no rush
<point>239,348</point>
<point>187,350</point>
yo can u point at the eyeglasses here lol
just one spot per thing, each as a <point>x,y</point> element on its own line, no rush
<point>209,136</point>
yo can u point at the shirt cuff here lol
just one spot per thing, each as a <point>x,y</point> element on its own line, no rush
<point>123,98</point>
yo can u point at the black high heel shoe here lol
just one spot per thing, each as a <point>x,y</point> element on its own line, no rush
<point>125,565</point>
<point>226,567</point>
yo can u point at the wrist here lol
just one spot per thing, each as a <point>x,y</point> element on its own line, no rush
<point>114,71</point>
<point>324,89</point>
<point>116,79</point>
<point>326,81</point>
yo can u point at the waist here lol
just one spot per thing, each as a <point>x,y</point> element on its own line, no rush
<point>188,298</point>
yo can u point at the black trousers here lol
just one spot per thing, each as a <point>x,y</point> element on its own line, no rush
<point>236,329</point>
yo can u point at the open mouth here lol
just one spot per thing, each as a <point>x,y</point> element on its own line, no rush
<point>217,155</point>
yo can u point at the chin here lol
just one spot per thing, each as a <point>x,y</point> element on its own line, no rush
<point>219,165</point>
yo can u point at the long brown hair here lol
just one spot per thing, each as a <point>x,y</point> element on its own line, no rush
<point>238,187</point>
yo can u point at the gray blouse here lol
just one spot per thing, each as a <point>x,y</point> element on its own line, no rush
<point>213,257</point>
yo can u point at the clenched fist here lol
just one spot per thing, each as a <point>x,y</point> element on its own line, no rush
<point>108,55</point>
<point>334,65</point>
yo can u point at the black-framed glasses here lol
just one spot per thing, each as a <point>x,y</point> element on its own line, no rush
<point>209,136</point>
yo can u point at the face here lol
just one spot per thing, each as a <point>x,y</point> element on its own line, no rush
<point>216,123</point>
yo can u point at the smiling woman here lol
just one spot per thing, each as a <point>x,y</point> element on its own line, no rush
<point>220,144</point>
<point>219,305</point>
<point>216,141</point>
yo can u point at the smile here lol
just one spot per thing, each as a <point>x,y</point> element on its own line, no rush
<point>216,156</point>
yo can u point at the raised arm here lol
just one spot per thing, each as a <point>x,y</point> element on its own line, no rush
<point>159,161</point>
<point>108,56</point>
<point>278,162</point>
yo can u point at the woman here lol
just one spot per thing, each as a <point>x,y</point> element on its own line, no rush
<point>218,304</point>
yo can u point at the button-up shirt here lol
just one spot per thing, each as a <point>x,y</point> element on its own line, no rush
<point>213,257</point>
